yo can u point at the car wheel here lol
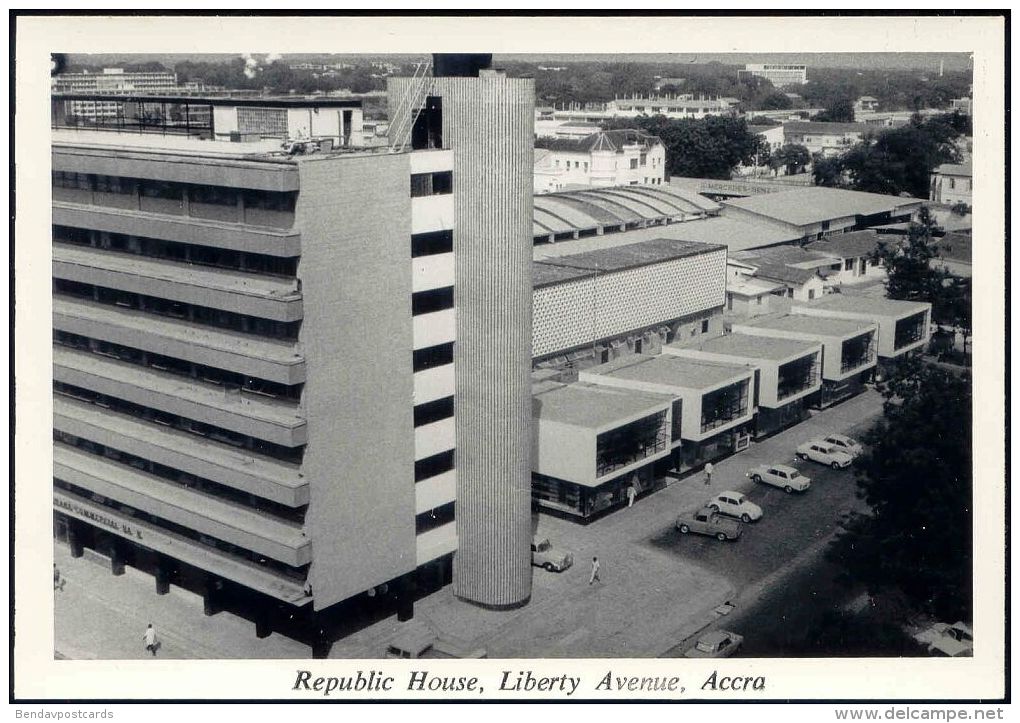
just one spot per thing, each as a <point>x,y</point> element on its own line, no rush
<point>684,529</point>
<point>714,507</point>
<point>549,566</point>
<point>745,517</point>
<point>756,478</point>
<point>788,489</point>
<point>721,537</point>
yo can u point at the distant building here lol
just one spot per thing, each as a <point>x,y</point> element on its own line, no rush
<point>962,105</point>
<point>954,253</point>
<point>779,74</point>
<point>865,104</point>
<point>952,183</point>
<point>829,139</point>
<point>674,107</point>
<point>110,80</point>
<point>606,158</point>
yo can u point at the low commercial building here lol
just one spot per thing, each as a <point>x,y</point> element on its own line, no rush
<point>814,212</point>
<point>848,348</point>
<point>853,252</point>
<point>714,402</point>
<point>747,296</point>
<point>605,158</point>
<point>903,327</point>
<point>590,442</point>
<point>953,183</point>
<point>787,374</point>
<point>803,274</point>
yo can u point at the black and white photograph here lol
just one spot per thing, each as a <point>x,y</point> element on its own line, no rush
<point>516,370</point>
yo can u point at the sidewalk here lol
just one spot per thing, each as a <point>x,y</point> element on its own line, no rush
<point>646,602</point>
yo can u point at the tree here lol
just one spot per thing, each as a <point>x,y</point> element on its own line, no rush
<point>839,110</point>
<point>908,265</point>
<point>709,147</point>
<point>828,171</point>
<point>916,479</point>
<point>792,157</point>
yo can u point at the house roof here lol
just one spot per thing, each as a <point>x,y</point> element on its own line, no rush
<point>955,246</point>
<point>784,273</point>
<point>592,406</point>
<point>827,128</point>
<point>955,169</point>
<point>814,204</point>
<point>599,141</point>
<point>750,286</point>
<point>849,245</point>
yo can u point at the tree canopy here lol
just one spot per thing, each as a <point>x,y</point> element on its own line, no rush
<point>915,476</point>
<point>709,147</point>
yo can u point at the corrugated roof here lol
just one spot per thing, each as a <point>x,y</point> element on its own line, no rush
<point>849,245</point>
<point>813,204</point>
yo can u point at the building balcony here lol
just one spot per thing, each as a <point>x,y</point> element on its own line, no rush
<point>263,296</point>
<point>439,327</point>
<point>256,357</point>
<point>234,467</point>
<point>208,515</point>
<point>433,384</point>
<point>436,543</point>
<point>432,213</point>
<point>432,272</point>
<point>434,438</point>
<point>435,492</point>
<point>260,417</point>
<point>184,229</point>
<point>181,548</point>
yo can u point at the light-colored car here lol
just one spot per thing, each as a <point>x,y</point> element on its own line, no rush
<point>544,555</point>
<point>716,644</point>
<point>707,521</point>
<point>954,641</point>
<point>844,444</point>
<point>824,453</point>
<point>782,476</point>
<point>735,504</point>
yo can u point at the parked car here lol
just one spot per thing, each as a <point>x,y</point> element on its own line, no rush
<point>707,521</point>
<point>735,504</point>
<point>544,555</point>
<point>824,453</point>
<point>786,478</point>
<point>844,444</point>
<point>716,644</point>
<point>954,641</point>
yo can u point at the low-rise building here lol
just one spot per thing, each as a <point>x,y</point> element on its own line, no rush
<point>952,183</point>
<point>787,374</point>
<point>954,253</point>
<point>854,252</point>
<point>747,296</point>
<point>828,139</point>
<point>714,402</point>
<point>605,158</point>
<point>779,74</point>
<point>848,348</point>
<point>865,104</point>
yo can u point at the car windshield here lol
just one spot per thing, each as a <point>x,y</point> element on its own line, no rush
<point>705,647</point>
<point>738,500</point>
<point>542,546</point>
<point>794,474</point>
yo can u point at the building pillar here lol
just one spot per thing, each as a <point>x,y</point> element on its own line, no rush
<point>74,538</point>
<point>117,552</point>
<point>264,623</point>
<point>162,576</point>
<point>321,645</point>
<point>211,596</point>
<point>405,598</point>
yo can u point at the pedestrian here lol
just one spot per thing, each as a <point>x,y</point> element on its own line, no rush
<point>150,640</point>
<point>631,494</point>
<point>58,581</point>
<point>708,473</point>
<point>595,567</point>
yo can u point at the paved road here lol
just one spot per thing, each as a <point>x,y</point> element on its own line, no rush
<point>790,524</point>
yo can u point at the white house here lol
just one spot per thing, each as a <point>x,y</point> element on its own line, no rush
<point>606,158</point>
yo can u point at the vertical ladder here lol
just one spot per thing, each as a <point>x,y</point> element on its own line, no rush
<point>410,106</point>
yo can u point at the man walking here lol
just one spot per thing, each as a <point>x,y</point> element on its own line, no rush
<point>150,639</point>
<point>595,567</point>
<point>708,473</point>
<point>631,494</point>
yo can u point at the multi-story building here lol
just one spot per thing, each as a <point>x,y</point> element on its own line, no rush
<point>953,183</point>
<point>267,365</point>
<point>779,74</point>
<point>864,105</point>
<point>828,139</point>
<point>604,158</point>
<point>109,81</point>
<point>673,107</point>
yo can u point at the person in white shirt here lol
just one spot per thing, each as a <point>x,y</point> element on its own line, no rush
<point>150,640</point>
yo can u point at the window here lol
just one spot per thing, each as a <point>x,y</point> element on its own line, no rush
<point>704,326</point>
<point>435,242</point>
<point>811,294</point>
<point>633,163</point>
<point>431,184</point>
<point>430,412</point>
<point>644,159</point>
<point>162,189</point>
<point>66,179</point>
<point>433,466</point>
<point>214,195</point>
<point>848,265</point>
<point>586,166</point>
<point>436,517</point>
<point>432,356</point>
<point>114,184</point>
<point>427,302</point>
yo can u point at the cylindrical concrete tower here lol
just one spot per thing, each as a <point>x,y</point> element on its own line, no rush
<point>488,122</point>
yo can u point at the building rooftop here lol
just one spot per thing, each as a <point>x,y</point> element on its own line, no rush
<point>613,141</point>
<point>671,371</point>
<point>755,347</point>
<point>955,169</point>
<point>827,128</point>
<point>955,247</point>
<point>783,272</point>
<point>816,325</point>
<point>814,204</point>
<point>591,405</point>
<point>562,268</point>
<point>789,255</point>
<point>750,286</point>
<point>259,101</point>
<point>850,245</point>
<point>864,305</point>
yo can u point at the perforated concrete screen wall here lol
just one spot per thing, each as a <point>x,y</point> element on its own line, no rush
<point>601,305</point>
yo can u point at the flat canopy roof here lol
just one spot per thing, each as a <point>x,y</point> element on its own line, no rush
<point>755,347</point>
<point>616,258</point>
<point>865,305</point>
<point>817,325</point>
<point>592,406</point>
<point>269,101</point>
<point>813,204</point>
<point>672,371</point>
